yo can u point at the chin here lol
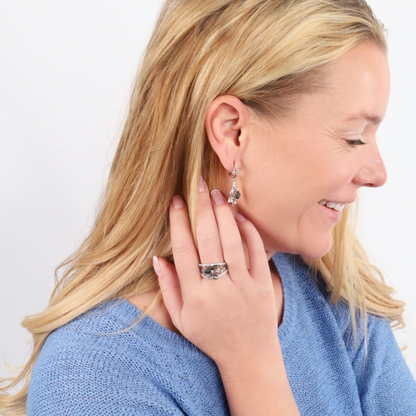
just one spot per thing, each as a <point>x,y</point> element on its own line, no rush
<point>315,249</point>
<point>310,244</point>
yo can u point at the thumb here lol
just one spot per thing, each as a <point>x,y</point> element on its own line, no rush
<point>171,289</point>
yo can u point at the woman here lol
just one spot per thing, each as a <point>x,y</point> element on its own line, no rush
<point>267,305</point>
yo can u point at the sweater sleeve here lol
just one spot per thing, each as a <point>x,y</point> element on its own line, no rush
<point>385,383</point>
<point>82,380</point>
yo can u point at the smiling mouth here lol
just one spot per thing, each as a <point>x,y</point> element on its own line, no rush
<point>336,206</point>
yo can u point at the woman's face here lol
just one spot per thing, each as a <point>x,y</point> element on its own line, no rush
<point>291,166</point>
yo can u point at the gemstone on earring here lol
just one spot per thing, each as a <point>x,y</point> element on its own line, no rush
<point>235,192</point>
<point>234,195</point>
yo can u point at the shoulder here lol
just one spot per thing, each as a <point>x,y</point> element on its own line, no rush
<point>92,366</point>
<point>318,345</point>
<point>308,303</point>
<point>384,380</point>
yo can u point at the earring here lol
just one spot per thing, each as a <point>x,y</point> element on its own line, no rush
<point>235,192</point>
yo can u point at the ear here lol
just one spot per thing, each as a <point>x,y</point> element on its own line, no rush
<point>226,125</point>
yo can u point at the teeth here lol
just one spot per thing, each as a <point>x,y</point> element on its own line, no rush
<point>334,205</point>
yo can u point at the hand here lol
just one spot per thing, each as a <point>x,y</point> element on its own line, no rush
<point>235,315</point>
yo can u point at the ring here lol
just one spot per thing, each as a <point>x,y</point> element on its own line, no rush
<point>213,270</point>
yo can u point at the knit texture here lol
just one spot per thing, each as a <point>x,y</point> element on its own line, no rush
<point>84,369</point>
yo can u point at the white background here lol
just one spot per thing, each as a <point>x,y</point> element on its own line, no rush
<point>65,76</point>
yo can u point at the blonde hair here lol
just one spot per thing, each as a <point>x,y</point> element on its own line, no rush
<point>265,52</point>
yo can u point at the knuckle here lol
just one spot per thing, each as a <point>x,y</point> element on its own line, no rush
<point>223,211</point>
<point>181,247</point>
<point>202,201</point>
<point>232,248</point>
<point>207,240</point>
<point>259,252</point>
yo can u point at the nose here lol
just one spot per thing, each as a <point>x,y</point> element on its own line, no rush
<point>372,172</point>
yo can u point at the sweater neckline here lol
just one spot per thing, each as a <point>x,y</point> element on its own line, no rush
<point>128,314</point>
<point>287,276</point>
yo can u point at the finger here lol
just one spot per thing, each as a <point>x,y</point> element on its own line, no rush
<point>183,247</point>
<point>259,268</point>
<point>208,237</point>
<point>231,242</point>
<point>171,289</point>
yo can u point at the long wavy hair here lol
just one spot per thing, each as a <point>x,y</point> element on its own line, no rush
<point>264,52</point>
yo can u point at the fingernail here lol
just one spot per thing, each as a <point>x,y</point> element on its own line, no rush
<point>202,185</point>
<point>238,217</point>
<point>177,202</point>
<point>156,265</point>
<point>217,197</point>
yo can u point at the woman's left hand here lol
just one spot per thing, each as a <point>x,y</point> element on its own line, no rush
<point>236,315</point>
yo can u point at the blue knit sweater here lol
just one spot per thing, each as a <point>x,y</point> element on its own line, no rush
<point>83,369</point>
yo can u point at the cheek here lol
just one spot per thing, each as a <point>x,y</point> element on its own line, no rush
<point>300,224</point>
<point>290,187</point>
<point>323,178</point>
<point>284,192</point>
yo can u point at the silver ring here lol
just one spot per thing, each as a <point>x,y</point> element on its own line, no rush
<point>213,270</point>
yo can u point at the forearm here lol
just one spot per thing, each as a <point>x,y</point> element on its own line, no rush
<point>258,385</point>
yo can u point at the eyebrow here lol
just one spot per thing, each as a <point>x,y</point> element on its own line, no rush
<point>376,120</point>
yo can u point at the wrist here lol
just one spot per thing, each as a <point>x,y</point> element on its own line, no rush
<point>257,383</point>
<point>245,364</point>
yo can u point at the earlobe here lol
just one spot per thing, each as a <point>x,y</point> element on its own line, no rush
<point>225,122</point>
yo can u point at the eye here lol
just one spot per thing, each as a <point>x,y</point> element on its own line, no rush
<point>355,142</point>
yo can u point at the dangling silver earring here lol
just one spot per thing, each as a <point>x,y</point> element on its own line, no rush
<point>235,192</point>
